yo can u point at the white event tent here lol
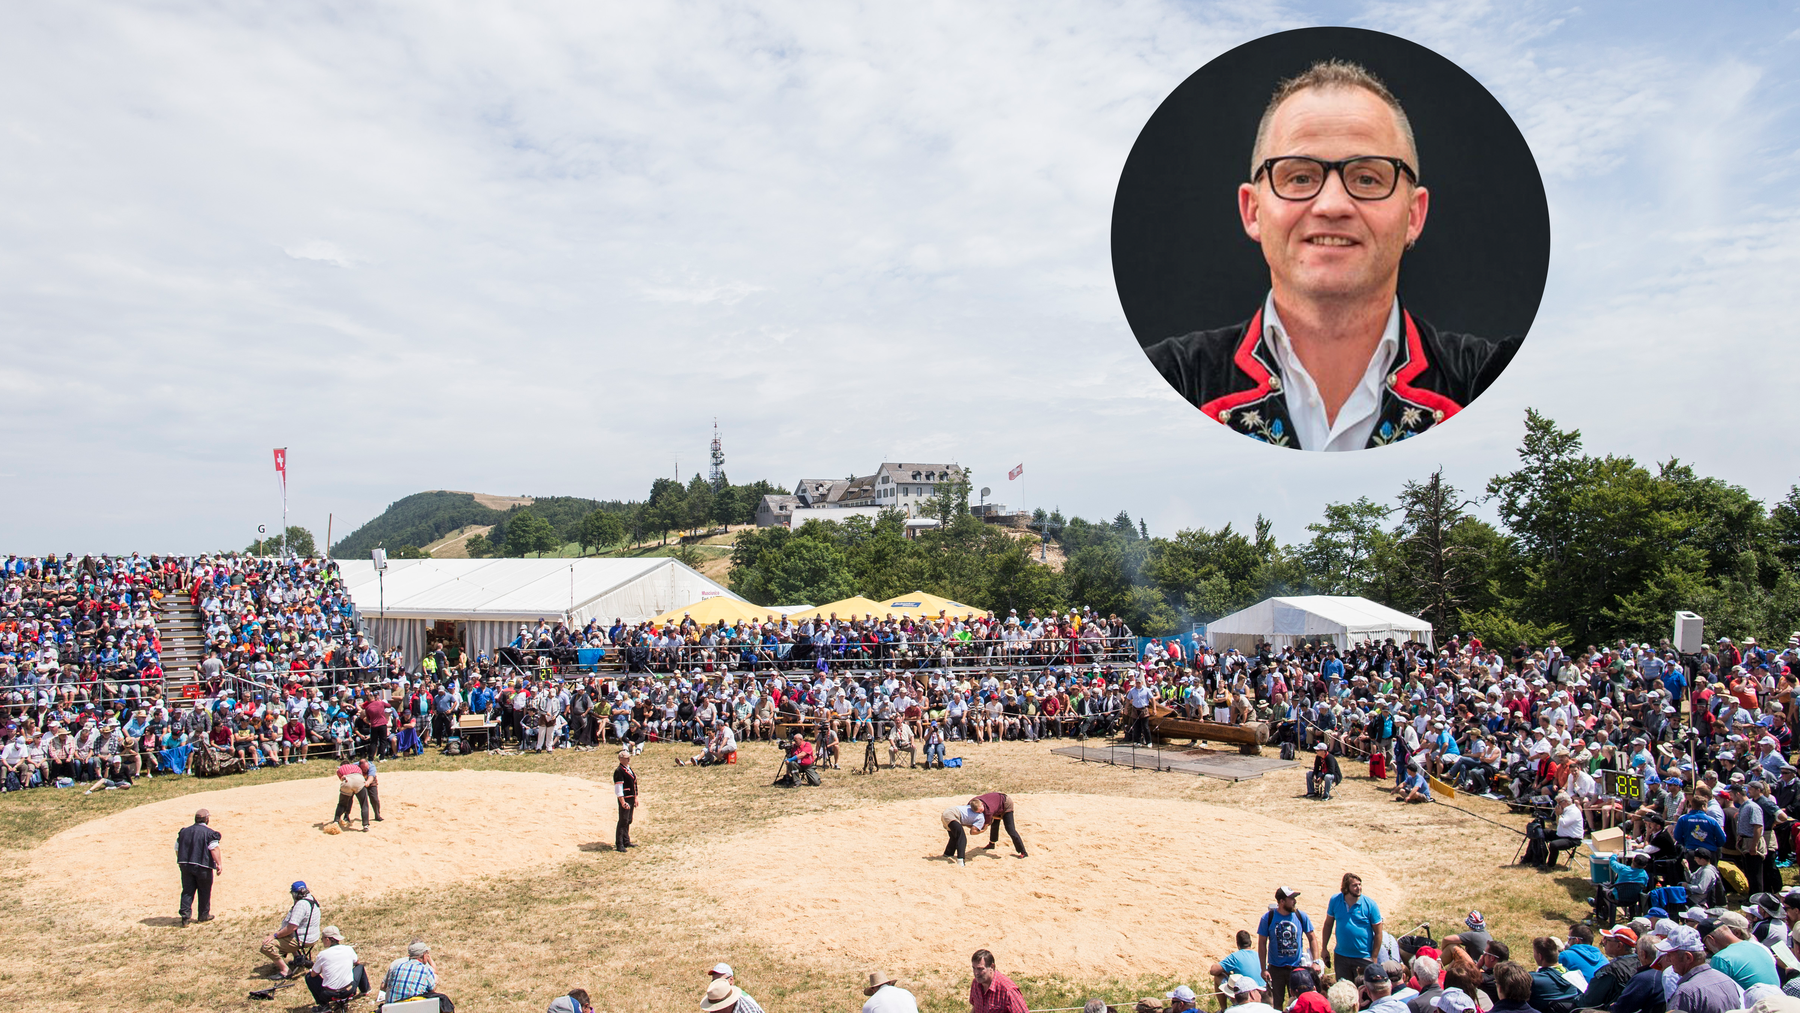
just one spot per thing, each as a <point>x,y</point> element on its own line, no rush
<point>1343,620</point>
<point>485,601</point>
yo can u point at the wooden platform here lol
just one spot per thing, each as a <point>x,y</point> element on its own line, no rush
<point>1226,764</point>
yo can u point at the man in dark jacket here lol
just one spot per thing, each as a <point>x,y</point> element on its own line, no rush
<point>1325,772</point>
<point>1620,945</point>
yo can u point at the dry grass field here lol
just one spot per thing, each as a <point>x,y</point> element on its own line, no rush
<point>1136,876</point>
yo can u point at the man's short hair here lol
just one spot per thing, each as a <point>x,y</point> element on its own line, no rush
<point>1332,74</point>
<point>1343,997</point>
<point>985,958</point>
<point>1512,981</point>
<point>579,995</point>
<point>1499,950</point>
<point>1585,933</point>
<point>1094,1006</point>
<point>1243,939</point>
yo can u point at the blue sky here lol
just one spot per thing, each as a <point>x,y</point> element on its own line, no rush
<point>537,250</point>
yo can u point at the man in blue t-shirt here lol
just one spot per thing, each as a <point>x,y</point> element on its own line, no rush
<point>1284,940</point>
<point>1357,922</point>
<point>1244,961</point>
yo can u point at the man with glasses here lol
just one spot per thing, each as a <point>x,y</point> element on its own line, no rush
<point>1331,360</point>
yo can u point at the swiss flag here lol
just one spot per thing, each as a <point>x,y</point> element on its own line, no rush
<point>281,465</point>
<point>1015,473</point>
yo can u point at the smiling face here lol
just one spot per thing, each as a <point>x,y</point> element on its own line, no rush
<point>1333,247</point>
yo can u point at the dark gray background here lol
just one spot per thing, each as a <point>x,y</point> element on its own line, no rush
<point>1182,262</point>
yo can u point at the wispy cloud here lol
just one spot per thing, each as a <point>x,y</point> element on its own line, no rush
<point>427,236</point>
<point>320,250</point>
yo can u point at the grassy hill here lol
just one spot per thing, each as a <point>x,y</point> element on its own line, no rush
<point>427,517</point>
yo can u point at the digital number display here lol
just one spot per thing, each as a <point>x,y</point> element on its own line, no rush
<point>1624,784</point>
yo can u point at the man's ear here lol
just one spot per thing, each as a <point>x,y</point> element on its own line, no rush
<point>1248,206</point>
<point>1417,207</point>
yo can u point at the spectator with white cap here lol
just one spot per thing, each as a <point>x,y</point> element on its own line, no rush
<point>413,976</point>
<point>723,972</point>
<point>337,973</point>
<point>1246,995</point>
<point>886,995</point>
<point>1181,1000</point>
<point>1455,1000</point>
<point>574,1001</point>
<point>1699,987</point>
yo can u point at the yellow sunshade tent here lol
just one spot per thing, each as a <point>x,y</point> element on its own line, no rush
<point>849,608</point>
<point>924,603</point>
<point>710,610</point>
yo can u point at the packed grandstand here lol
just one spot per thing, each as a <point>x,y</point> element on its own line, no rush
<point>288,674</point>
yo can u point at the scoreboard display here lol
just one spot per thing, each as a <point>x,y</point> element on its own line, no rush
<point>1622,784</point>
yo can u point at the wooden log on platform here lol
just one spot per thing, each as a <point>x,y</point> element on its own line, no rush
<point>1248,737</point>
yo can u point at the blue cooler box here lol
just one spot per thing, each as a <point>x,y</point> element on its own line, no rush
<point>1600,869</point>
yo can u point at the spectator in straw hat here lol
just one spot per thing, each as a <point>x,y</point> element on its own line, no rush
<point>886,995</point>
<point>723,972</point>
<point>721,997</point>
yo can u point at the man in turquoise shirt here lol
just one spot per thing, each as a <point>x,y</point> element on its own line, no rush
<point>1357,921</point>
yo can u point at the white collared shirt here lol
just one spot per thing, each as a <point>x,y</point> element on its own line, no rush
<point>1306,408</point>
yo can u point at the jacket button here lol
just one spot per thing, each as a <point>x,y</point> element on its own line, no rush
<point>1225,416</point>
<point>1438,415</point>
<point>1393,379</point>
<point>1274,383</point>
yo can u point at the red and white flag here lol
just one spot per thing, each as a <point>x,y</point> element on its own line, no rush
<point>281,467</point>
<point>1015,473</point>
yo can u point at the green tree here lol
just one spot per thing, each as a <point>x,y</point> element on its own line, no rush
<point>299,543</point>
<point>1340,558</point>
<point>527,532</point>
<point>950,499</point>
<point>666,509</point>
<point>478,546</point>
<point>411,552</point>
<point>601,529</point>
<point>698,504</point>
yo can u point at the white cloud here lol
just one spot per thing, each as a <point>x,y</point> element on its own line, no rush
<point>579,232</point>
<point>725,293</point>
<point>320,250</point>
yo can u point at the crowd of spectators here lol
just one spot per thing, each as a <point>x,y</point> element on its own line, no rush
<point>781,643</point>
<point>83,693</point>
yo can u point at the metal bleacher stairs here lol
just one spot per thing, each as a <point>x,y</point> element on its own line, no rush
<point>183,648</point>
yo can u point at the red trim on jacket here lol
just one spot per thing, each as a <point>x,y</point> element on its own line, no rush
<point>1416,364</point>
<point>1246,361</point>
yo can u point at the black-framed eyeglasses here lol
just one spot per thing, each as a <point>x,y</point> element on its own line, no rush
<point>1365,177</point>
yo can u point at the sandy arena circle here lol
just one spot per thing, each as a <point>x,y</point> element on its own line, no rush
<point>1111,883</point>
<point>439,827</point>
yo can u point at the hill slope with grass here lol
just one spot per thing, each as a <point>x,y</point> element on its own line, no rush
<point>426,518</point>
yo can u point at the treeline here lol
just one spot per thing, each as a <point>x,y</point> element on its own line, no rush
<point>1590,549</point>
<point>549,524</point>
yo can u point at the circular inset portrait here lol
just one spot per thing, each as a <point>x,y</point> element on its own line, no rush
<point>1330,239</point>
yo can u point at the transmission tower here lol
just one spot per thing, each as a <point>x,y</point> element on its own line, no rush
<point>717,477</point>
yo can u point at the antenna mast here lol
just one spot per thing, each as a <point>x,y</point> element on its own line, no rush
<point>717,476</point>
